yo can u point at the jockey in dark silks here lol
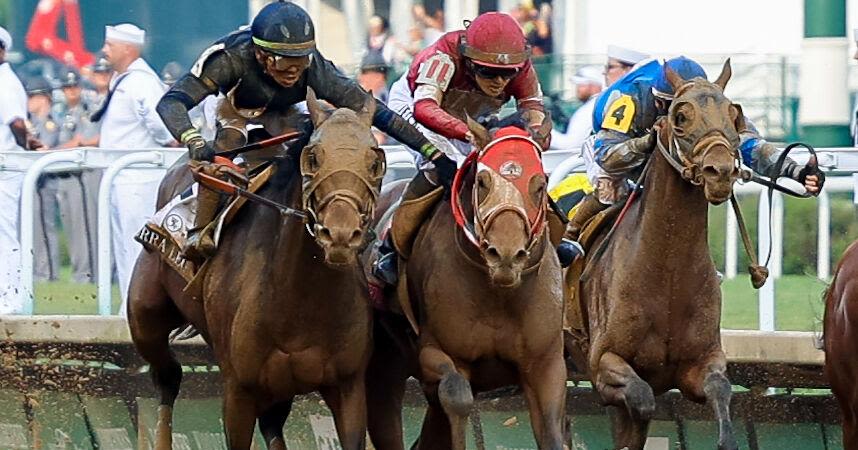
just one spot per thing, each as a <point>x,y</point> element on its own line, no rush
<point>262,72</point>
<point>623,119</point>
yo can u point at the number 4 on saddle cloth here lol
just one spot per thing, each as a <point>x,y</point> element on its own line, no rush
<point>167,231</point>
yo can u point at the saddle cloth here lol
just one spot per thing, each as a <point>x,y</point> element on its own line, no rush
<point>167,231</point>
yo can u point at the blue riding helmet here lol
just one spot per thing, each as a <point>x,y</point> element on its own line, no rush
<point>684,67</point>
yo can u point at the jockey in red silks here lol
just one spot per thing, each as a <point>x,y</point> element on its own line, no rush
<point>466,73</point>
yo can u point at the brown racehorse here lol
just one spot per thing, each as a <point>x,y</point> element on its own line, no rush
<point>653,298</point>
<point>286,312</point>
<point>487,317</point>
<point>840,340</point>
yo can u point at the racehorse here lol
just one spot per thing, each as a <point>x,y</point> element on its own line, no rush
<point>840,336</point>
<point>486,300</point>
<point>284,308</point>
<point>652,297</point>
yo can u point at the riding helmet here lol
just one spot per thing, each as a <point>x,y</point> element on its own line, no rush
<point>495,39</point>
<point>285,29</point>
<point>686,68</point>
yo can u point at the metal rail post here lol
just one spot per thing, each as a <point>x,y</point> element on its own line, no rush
<point>104,250</point>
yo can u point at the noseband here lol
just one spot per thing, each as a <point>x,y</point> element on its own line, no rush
<point>688,169</point>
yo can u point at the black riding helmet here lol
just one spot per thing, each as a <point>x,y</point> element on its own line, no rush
<point>285,29</point>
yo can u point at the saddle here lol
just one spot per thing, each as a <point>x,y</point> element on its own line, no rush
<point>167,231</point>
<point>576,318</point>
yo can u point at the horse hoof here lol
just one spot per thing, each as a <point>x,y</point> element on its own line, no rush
<point>455,394</point>
<point>640,400</point>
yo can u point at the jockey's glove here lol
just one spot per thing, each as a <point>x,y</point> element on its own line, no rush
<point>198,148</point>
<point>814,170</point>
<point>445,169</point>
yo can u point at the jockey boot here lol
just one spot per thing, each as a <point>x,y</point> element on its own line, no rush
<point>386,265</point>
<point>569,247</point>
<point>200,244</point>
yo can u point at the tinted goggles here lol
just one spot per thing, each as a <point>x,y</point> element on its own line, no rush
<point>494,72</point>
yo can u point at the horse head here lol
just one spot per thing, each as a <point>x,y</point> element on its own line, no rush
<point>342,168</point>
<point>702,132</point>
<point>509,201</point>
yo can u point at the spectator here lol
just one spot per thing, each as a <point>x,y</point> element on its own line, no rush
<point>130,122</point>
<point>620,62</point>
<point>588,84</point>
<point>13,136</point>
<point>415,41</point>
<point>171,72</point>
<point>539,37</point>
<point>46,245</point>
<point>78,190</point>
<point>381,43</point>
<point>100,76</point>
<point>433,26</point>
<point>373,78</point>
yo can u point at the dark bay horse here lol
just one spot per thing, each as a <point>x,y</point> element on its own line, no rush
<point>285,310</point>
<point>840,340</point>
<point>653,298</point>
<point>489,315</point>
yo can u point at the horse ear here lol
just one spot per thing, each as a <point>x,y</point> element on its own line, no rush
<point>739,119</point>
<point>481,134</point>
<point>367,112</point>
<point>673,78</point>
<point>726,73</point>
<point>317,112</point>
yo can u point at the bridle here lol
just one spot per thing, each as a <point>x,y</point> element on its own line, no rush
<point>313,179</point>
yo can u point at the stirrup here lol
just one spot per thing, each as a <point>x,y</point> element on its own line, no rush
<point>385,268</point>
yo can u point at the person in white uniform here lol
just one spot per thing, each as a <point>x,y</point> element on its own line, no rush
<point>129,121</point>
<point>13,136</point>
<point>588,84</point>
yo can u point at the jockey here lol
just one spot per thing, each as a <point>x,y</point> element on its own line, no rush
<point>465,73</point>
<point>624,117</point>
<point>263,72</point>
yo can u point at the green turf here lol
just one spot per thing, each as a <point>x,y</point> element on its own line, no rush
<point>798,306</point>
<point>66,297</point>
<point>799,301</point>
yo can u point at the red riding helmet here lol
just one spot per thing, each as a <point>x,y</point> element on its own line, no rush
<point>495,40</point>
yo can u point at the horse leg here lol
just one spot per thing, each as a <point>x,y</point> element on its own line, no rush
<point>385,388</point>
<point>151,318</point>
<point>545,389</point>
<point>271,425</point>
<point>706,381</point>
<point>435,434</point>
<point>619,385</point>
<point>454,391</point>
<point>629,432</point>
<point>348,405</point>
<point>239,414</point>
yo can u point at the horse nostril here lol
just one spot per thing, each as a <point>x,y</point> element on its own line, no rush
<point>325,234</point>
<point>711,171</point>
<point>356,238</point>
<point>492,253</point>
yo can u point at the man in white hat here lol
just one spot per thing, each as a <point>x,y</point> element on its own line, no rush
<point>129,121</point>
<point>588,84</point>
<point>621,60</point>
<point>13,136</point>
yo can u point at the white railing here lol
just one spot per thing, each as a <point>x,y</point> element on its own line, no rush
<point>557,162</point>
<point>34,164</point>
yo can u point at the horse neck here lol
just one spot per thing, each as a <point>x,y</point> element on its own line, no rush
<point>673,213</point>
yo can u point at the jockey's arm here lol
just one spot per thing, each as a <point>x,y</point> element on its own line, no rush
<point>761,156</point>
<point>330,84</point>
<point>618,153</point>
<point>207,77</point>
<point>526,90</point>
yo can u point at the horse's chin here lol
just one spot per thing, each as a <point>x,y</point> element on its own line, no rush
<point>506,277</point>
<point>339,257</point>
<point>719,194</point>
